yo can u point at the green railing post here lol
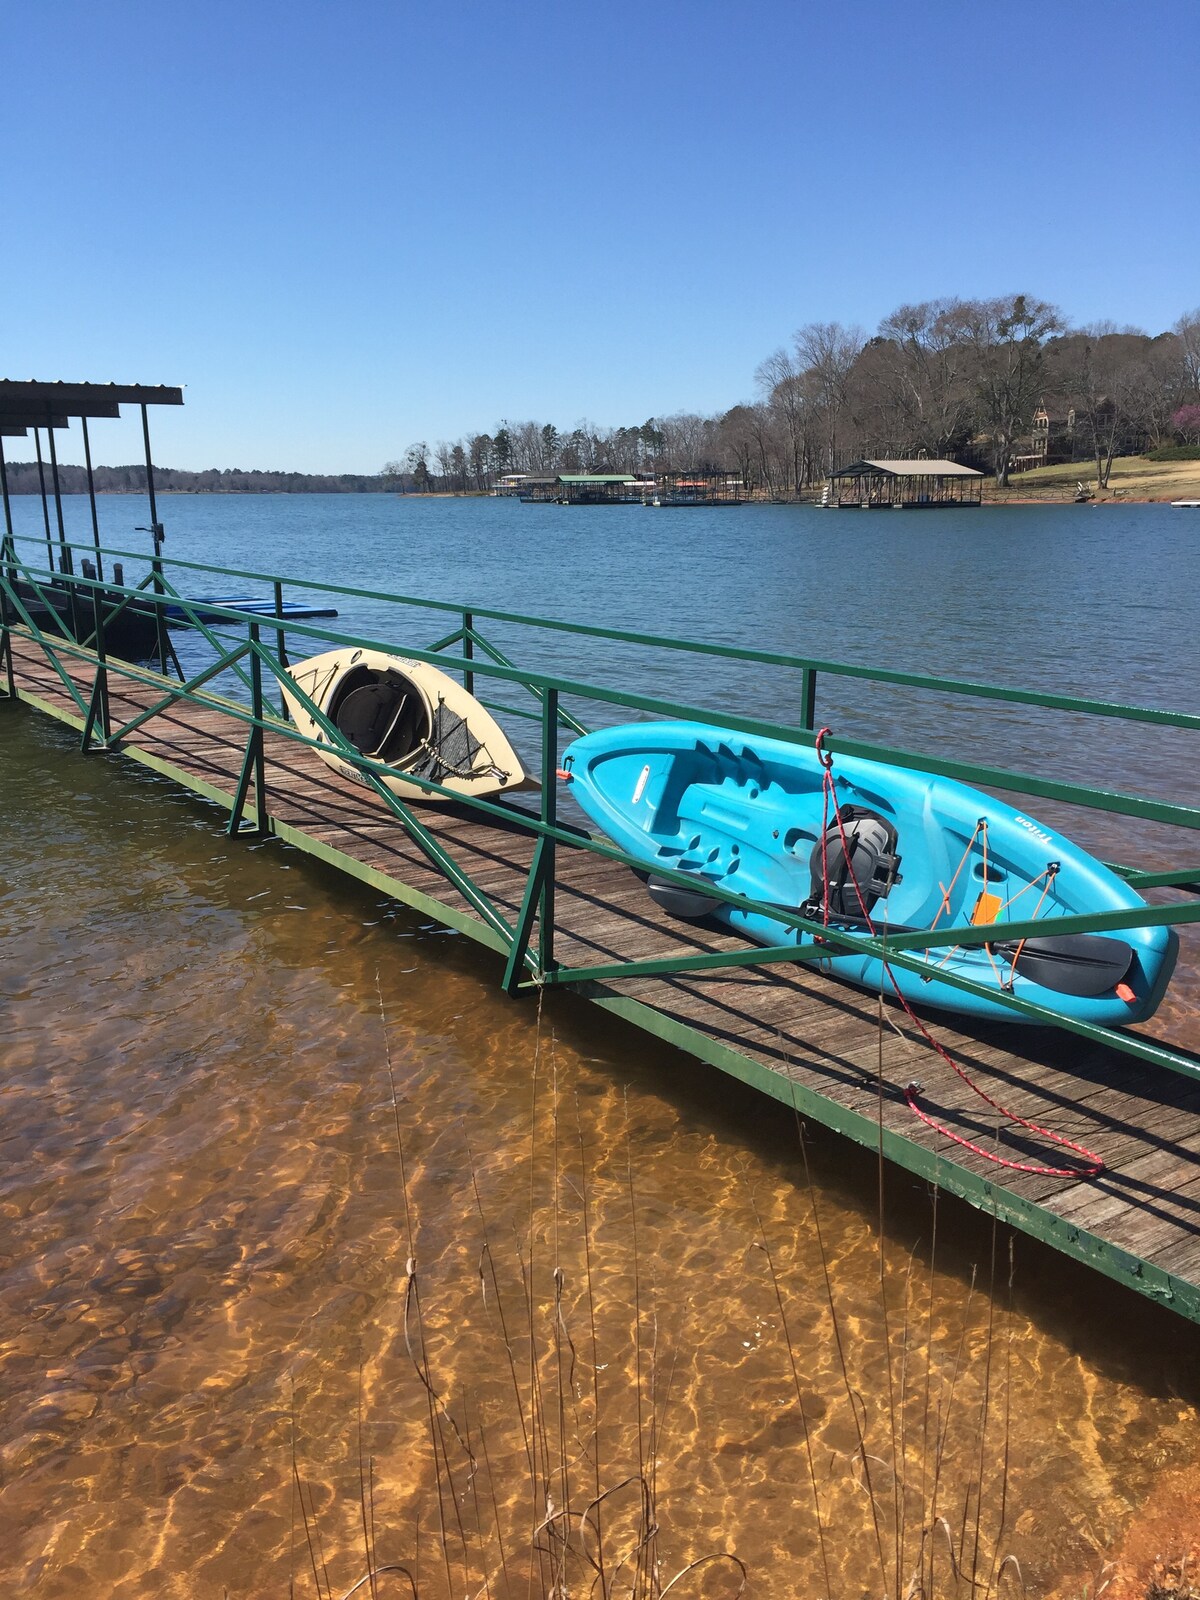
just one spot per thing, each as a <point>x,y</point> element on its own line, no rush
<point>9,557</point>
<point>253,763</point>
<point>546,960</point>
<point>808,698</point>
<point>468,649</point>
<point>538,899</point>
<point>98,709</point>
<point>6,645</point>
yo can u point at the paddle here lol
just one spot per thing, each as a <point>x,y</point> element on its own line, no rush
<point>1084,964</point>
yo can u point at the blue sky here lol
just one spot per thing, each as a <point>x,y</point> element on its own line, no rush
<point>347,227</point>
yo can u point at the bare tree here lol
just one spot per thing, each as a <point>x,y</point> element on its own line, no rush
<point>416,464</point>
<point>780,380</point>
<point>480,452</point>
<point>926,367</point>
<point>827,352</point>
<point>1005,337</point>
<point>1121,387</point>
<point>1187,331</point>
<point>1095,385</point>
<point>685,440</point>
<point>736,435</point>
<point>1154,385</point>
<point>525,439</point>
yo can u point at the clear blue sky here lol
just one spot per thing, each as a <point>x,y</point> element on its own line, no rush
<point>345,227</point>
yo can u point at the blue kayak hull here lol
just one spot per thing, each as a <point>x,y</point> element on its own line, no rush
<point>746,814</point>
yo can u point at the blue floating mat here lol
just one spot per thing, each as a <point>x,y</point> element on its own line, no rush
<point>203,608</point>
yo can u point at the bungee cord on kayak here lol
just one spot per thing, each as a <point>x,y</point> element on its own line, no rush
<point>1091,1164</point>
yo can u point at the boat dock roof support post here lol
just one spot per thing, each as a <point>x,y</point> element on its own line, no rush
<point>9,545</point>
<point>156,527</point>
<point>156,533</point>
<point>65,563</point>
<point>10,554</point>
<point>37,445</point>
<point>91,483</point>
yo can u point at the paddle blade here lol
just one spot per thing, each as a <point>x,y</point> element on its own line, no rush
<point>1084,964</point>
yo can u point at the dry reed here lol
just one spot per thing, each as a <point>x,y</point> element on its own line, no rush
<point>588,1521</point>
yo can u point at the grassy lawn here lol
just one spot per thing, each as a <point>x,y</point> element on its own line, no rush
<point>1132,478</point>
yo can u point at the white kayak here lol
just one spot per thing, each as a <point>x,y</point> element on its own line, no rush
<point>410,716</point>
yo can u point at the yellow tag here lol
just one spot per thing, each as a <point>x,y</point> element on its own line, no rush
<point>987,909</point>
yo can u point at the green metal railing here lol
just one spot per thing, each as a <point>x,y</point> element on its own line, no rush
<point>236,645</point>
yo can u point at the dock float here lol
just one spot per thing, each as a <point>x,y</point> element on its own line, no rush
<point>563,910</point>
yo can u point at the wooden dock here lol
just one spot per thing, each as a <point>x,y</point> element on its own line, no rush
<point>788,1030</point>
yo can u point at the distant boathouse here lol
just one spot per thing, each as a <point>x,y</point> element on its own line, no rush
<point>868,485</point>
<point>626,488</point>
<point>584,489</point>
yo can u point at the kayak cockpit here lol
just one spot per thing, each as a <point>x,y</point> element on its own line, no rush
<point>382,714</point>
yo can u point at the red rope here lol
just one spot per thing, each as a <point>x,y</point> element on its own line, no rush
<point>1093,1163</point>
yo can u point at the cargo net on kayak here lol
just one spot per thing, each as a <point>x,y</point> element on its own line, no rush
<point>451,750</point>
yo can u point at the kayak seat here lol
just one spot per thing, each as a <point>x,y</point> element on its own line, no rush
<point>873,862</point>
<point>381,721</point>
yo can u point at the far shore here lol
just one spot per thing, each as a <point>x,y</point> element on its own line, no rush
<point>1134,480</point>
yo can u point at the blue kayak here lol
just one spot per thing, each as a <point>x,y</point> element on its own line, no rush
<point>906,850</point>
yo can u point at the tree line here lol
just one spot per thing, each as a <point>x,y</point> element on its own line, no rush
<point>23,478</point>
<point>993,383</point>
<point>980,381</point>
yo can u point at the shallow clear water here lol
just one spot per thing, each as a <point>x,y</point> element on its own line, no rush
<point>238,1094</point>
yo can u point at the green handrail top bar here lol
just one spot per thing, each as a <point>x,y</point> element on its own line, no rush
<point>971,772</point>
<point>911,680</point>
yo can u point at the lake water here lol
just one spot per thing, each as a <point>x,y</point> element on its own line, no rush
<point>240,1093</point>
<point>1101,601</point>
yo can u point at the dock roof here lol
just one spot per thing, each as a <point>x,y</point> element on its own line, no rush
<point>907,469</point>
<point>596,477</point>
<point>32,404</point>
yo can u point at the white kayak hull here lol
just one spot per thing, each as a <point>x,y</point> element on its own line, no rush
<point>410,716</point>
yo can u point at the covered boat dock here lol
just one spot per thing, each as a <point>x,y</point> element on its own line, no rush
<point>697,489</point>
<point>130,626</point>
<point>585,489</point>
<point>905,485</point>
